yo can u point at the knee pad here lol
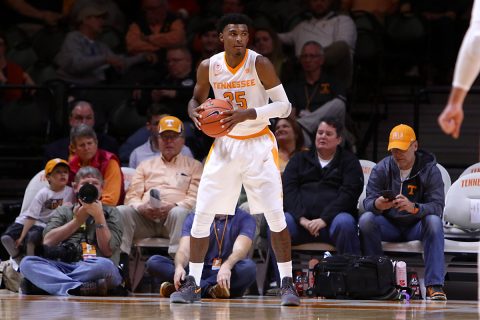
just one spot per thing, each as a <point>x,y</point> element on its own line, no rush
<point>201,225</point>
<point>276,220</point>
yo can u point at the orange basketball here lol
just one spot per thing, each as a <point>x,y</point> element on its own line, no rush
<point>211,116</point>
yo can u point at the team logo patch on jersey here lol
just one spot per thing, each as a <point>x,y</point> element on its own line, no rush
<point>217,69</point>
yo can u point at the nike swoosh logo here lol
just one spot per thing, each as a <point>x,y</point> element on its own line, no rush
<point>216,112</point>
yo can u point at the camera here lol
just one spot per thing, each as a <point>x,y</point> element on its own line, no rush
<point>65,252</point>
<point>88,193</point>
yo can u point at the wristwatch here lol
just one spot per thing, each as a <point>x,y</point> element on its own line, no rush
<point>99,225</point>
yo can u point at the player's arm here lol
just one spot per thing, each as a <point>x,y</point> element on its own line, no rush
<point>200,92</point>
<point>467,68</point>
<point>280,106</point>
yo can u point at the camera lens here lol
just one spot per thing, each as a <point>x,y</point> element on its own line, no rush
<point>88,193</point>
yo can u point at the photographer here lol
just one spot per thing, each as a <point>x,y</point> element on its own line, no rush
<point>78,240</point>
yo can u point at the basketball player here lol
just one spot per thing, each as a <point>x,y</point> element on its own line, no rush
<point>466,70</point>
<point>248,154</point>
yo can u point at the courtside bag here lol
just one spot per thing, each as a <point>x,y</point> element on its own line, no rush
<point>354,277</point>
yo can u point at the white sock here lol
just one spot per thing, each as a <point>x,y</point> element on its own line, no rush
<point>195,270</point>
<point>285,269</point>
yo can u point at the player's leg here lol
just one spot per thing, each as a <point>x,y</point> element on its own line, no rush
<point>217,194</point>
<point>263,185</point>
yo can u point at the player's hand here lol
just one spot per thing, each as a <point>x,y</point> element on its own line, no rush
<point>450,120</point>
<point>237,116</point>
<point>194,114</point>
<point>223,277</point>
<point>179,276</point>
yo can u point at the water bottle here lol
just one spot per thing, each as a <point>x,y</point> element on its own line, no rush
<point>414,286</point>
<point>401,274</point>
<point>299,283</point>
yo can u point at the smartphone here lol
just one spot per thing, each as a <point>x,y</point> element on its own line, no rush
<point>388,194</point>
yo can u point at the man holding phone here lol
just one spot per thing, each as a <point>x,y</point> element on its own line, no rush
<point>404,202</point>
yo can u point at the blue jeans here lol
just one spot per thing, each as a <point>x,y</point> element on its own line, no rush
<point>57,278</point>
<point>243,274</point>
<point>342,233</point>
<point>375,228</point>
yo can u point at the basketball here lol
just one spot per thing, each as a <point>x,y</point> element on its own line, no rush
<point>211,116</point>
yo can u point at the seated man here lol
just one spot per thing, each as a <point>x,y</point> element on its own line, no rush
<point>175,176</point>
<point>81,112</point>
<point>416,211</point>
<point>227,272</point>
<point>321,189</point>
<point>149,147</point>
<point>84,144</point>
<point>91,231</point>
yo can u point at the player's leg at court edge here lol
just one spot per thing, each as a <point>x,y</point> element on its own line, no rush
<point>190,290</point>
<point>282,247</point>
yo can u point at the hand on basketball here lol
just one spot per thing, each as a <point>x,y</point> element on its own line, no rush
<point>194,114</point>
<point>179,276</point>
<point>223,277</point>
<point>450,120</point>
<point>237,116</point>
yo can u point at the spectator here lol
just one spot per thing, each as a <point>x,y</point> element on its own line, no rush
<point>31,16</point>
<point>289,139</point>
<point>335,32</point>
<point>175,176</point>
<point>27,230</point>
<point>81,113</point>
<point>268,44</point>
<point>153,32</point>
<point>205,43</point>
<point>380,9</point>
<point>316,95</point>
<point>83,60</point>
<point>89,230</point>
<point>150,148</point>
<point>11,74</point>
<point>321,190</point>
<point>114,19</point>
<point>84,143</point>
<point>227,272</point>
<point>180,75</point>
<point>415,213</point>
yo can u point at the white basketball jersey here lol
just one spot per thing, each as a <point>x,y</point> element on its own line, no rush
<point>241,86</point>
<point>475,11</point>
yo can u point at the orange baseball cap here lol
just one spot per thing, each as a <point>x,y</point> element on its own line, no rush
<point>401,137</point>
<point>170,123</point>
<point>51,164</point>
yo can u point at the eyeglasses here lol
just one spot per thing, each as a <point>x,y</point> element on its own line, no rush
<point>310,56</point>
<point>80,118</point>
<point>169,137</point>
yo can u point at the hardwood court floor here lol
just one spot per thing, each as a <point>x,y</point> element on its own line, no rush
<point>14,306</point>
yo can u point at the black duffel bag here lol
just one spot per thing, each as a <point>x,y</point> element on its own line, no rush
<point>354,277</point>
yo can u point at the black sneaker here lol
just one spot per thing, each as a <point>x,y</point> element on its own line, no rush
<point>91,288</point>
<point>188,292</point>
<point>289,294</point>
<point>27,287</point>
